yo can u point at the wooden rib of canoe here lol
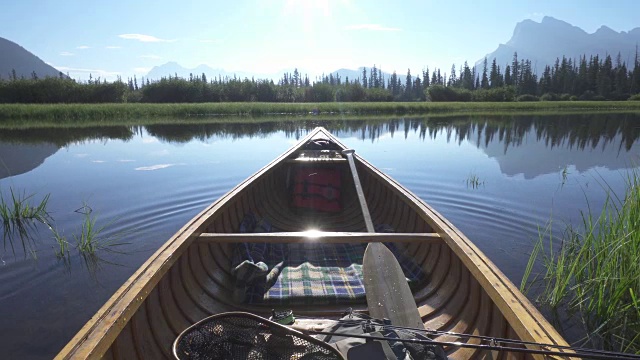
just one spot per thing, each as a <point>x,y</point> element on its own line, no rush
<point>189,277</point>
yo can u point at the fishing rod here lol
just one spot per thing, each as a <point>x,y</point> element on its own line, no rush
<point>493,342</point>
<point>604,356</point>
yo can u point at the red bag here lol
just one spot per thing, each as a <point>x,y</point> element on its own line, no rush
<point>317,188</point>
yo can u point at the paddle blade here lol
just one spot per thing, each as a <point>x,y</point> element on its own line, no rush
<point>387,291</point>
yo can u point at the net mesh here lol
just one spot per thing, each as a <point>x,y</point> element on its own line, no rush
<point>247,336</point>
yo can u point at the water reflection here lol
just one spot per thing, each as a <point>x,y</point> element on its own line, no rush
<point>520,144</point>
<point>19,158</point>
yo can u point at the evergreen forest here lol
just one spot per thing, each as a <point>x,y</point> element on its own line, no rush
<point>586,78</point>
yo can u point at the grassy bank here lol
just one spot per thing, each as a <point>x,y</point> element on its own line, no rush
<point>137,111</point>
<point>595,272</point>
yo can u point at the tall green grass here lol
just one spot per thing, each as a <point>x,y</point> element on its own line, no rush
<point>20,217</point>
<point>92,237</point>
<point>126,112</point>
<point>594,270</point>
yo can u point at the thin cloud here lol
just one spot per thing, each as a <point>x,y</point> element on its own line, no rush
<point>83,47</point>
<point>152,57</point>
<point>111,47</point>
<point>143,38</point>
<point>66,53</point>
<point>371,27</point>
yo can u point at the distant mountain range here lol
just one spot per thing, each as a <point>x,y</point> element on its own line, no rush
<point>15,57</point>
<point>173,68</point>
<point>544,42</point>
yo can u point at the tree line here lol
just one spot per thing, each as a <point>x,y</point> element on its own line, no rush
<point>592,78</point>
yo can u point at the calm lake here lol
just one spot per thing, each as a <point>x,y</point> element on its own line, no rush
<point>496,178</point>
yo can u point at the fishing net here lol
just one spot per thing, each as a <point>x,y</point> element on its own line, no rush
<point>238,335</point>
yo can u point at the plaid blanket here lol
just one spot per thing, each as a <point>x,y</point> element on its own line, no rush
<point>299,274</point>
<point>306,273</point>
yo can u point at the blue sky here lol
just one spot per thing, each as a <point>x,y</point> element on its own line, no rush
<point>118,37</point>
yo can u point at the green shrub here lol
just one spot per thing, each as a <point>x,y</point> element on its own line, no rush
<point>565,97</point>
<point>448,93</point>
<point>573,98</point>
<point>618,96</point>
<point>550,97</point>
<point>635,97</point>
<point>501,94</point>
<point>587,95</point>
<point>527,97</point>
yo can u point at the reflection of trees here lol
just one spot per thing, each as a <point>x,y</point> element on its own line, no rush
<point>567,131</point>
<point>63,136</point>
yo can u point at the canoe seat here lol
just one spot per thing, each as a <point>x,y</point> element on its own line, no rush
<point>307,273</point>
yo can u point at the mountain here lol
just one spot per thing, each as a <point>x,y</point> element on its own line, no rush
<point>15,57</point>
<point>544,42</point>
<point>357,74</point>
<point>172,68</point>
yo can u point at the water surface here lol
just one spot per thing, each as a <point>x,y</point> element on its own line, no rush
<point>495,178</point>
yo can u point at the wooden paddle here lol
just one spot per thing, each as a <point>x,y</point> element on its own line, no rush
<point>387,291</point>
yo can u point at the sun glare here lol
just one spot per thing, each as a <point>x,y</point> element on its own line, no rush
<point>310,8</point>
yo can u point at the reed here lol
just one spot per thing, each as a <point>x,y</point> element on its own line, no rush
<point>92,237</point>
<point>473,181</point>
<point>20,217</point>
<point>62,251</point>
<point>595,271</point>
<point>564,174</point>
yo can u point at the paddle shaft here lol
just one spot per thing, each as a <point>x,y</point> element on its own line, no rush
<point>356,179</point>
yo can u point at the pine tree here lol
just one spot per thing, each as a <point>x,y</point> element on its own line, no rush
<point>515,71</point>
<point>408,86</point>
<point>296,78</point>
<point>364,78</point>
<point>495,78</point>
<point>425,78</point>
<point>374,77</point>
<point>507,76</point>
<point>452,77</point>
<point>484,83</point>
<point>466,78</point>
<point>635,75</point>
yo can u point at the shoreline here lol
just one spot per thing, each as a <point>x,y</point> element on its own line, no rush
<point>16,115</point>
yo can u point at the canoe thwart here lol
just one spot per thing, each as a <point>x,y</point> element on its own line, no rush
<point>322,237</point>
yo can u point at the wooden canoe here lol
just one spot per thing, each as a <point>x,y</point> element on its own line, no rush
<point>189,277</point>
